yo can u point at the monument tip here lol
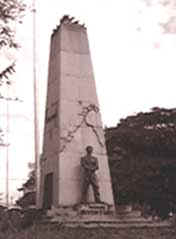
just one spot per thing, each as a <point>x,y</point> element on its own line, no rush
<point>67,19</point>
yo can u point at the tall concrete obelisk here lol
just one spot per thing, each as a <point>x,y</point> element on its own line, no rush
<point>72,119</point>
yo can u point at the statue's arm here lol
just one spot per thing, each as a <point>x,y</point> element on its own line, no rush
<point>84,164</point>
<point>96,164</point>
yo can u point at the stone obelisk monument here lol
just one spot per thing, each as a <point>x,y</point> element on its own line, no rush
<point>72,120</point>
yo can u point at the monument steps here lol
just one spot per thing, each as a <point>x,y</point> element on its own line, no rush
<point>116,225</point>
<point>97,215</point>
<point>113,223</point>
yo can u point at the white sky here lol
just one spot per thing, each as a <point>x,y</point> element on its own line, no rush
<point>134,66</point>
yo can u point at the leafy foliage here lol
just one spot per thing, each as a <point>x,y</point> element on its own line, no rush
<point>28,189</point>
<point>4,74</point>
<point>10,14</point>
<point>152,132</point>
<point>142,155</point>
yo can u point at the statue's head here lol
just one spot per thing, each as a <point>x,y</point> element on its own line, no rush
<point>89,149</point>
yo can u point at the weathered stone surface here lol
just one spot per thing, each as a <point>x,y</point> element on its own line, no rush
<point>72,119</point>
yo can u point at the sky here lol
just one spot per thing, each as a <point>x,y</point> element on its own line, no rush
<point>133,53</point>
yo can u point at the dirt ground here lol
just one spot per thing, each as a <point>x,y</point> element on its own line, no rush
<point>60,232</point>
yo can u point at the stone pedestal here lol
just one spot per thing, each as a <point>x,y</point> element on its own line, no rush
<point>81,212</point>
<point>93,209</point>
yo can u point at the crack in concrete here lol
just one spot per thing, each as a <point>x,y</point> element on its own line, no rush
<point>95,132</point>
<point>86,110</point>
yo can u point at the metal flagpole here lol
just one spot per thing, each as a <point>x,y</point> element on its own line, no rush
<point>36,114</point>
<point>7,148</point>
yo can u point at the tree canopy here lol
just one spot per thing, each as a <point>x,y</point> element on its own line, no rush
<point>142,156</point>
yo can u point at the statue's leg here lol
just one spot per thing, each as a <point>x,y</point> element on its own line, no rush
<point>85,187</point>
<point>95,186</point>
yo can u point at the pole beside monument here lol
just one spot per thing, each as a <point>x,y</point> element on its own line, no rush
<point>36,112</point>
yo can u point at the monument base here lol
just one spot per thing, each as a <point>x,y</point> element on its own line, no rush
<point>93,215</point>
<point>81,210</point>
<point>95,209</point>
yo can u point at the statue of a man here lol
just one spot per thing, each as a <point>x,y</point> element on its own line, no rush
<point>89,165</point>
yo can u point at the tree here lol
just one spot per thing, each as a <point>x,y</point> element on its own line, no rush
<point>10,13</point>
<point>142,156</point>
<point>28,189</point>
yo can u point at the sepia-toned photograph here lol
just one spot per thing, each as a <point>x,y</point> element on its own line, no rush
<point>87,119</point>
